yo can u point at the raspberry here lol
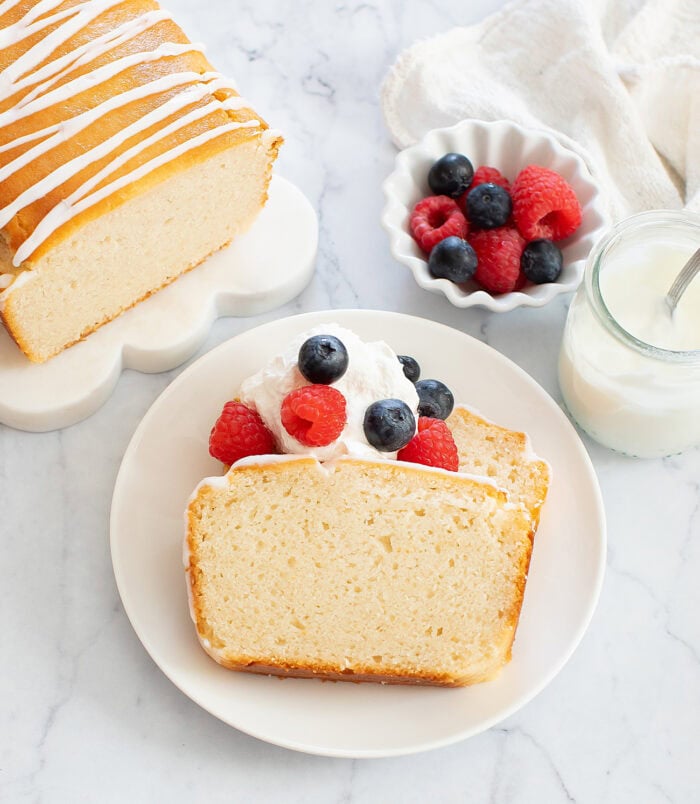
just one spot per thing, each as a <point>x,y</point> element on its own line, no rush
<point>435,218</point>
<point>314,415</point>
<point>521,282</point>
<point>489,175</point>
<point>433,445</point>
<point>484,175</point>
<point>498,252</point>
<point>239,431</point>
<point>544,204</point>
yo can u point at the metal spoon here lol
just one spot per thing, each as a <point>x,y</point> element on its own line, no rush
<point>684,278</point>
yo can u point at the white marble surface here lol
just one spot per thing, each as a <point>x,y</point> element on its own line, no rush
<point>86,716</point>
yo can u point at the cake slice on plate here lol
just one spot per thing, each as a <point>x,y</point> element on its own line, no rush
<point>360,571</point>
<point>125,160</point>
<point>382,545</point>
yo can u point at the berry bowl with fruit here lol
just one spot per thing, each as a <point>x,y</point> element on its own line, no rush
<point>493,215</point>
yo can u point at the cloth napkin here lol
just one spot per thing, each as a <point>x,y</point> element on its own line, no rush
<point>617,81</point>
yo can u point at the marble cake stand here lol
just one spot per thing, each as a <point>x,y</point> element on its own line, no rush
<point>260,271</point>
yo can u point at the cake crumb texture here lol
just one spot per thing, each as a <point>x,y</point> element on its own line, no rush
<point>365,571</point>
<point>502,455</point>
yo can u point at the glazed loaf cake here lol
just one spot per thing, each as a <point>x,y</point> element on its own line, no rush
<point>361,571</point>
<point>125,160</point>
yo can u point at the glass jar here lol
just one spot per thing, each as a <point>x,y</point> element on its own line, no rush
<point>630,395</point>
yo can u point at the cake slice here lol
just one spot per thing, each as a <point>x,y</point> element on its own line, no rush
<point>125,160</point>
<point>358,570</point>
<point>503,455</point>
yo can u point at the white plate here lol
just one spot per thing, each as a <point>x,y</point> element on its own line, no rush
<point>262,269</point>
<point>509,147</point>
<point>168,456</point>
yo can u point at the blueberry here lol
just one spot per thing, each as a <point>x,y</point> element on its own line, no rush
<point>451,175</point>
<point>488,206</point>
<point>453,259</point>
<point>389,425</point>
<point>435,399</point>
<point>541,261</point>
<point>323,359</point>
<point>410,367</point>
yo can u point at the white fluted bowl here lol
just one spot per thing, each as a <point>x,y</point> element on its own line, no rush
<point>508,147</point>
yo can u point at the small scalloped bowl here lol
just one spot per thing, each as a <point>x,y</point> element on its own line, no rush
<point>508,147</point>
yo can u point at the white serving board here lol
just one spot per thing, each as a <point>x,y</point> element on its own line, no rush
<point>263,269</point>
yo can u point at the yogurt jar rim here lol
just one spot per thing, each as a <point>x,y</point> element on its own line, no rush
<point>690,357</point>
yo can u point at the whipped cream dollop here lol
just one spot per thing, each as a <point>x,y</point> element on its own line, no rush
<point>374,372</point>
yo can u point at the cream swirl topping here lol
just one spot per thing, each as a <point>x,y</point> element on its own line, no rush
<point>373,373</point>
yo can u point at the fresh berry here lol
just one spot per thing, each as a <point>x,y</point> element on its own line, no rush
<point>452,258</point>
<point>323,359</point>
<point>435,399</point>
<point>433,445</point>
<point>389,425</point>
<point>544,204</point>
<point>488,206</point>
<point>541,261</point>
<point>489,175</point>
<point>239,431</point>
<point>315,414</point>
<point>435,218</point>
<point>451,175</point>
<point>521,282</point>
<point>484,175</point>
<point>498,252</point>
<point>410,367</point>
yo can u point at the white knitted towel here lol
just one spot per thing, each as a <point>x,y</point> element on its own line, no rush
<point>618,81</point>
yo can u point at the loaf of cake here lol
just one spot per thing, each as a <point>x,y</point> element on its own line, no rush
<point>356,570</point>
<point>125,160</point>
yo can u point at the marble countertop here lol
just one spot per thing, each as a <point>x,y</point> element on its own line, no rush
<point>87,716</point>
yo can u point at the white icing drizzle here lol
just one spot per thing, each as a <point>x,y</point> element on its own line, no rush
<point>69,128</point>
<point>72,206</point>
<point>74,125</point>
<point>6,280</point>
<point>262,461</point>
<point>53,71</point>
<point>7,5</point>
<point>78,17</point>
<point>91,79</point>
<point>24,73</point>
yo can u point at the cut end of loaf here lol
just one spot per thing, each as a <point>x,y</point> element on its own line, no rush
<point>116,260</point>
<point>365,571</point>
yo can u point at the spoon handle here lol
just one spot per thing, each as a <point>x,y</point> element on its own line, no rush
<point>681,282</point>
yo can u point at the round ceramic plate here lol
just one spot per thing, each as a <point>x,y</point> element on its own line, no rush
<point>168,456</point>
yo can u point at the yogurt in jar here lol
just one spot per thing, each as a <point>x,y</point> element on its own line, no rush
<point>629,371</point>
